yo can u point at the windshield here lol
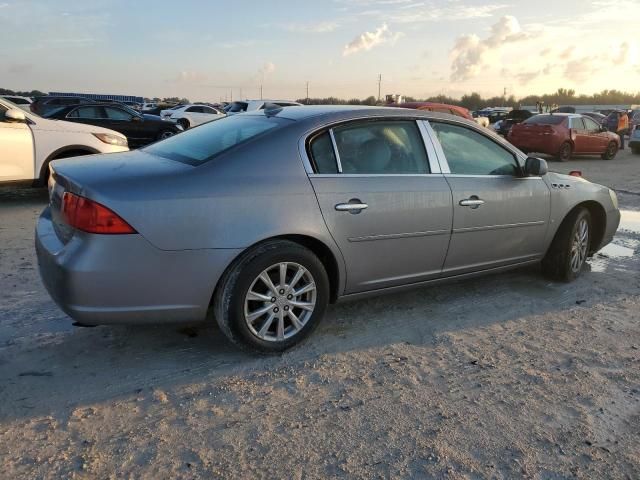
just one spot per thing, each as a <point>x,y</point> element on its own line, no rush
<point>199,145</point>
<point>236,107</point>
<point>545,120</point>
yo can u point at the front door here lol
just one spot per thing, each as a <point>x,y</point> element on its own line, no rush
<point>598,139</point>
<point>16,149</point>
<point>499,216</point>
<point>386,210</point>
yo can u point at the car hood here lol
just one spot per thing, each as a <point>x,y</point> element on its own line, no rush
<point>46,124</point>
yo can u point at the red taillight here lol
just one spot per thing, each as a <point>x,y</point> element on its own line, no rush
<point>89,216</point>
<point>575,173</point>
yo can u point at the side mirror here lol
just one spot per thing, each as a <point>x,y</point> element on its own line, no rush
<point>135,118</point>
<point>535,167</point>
<point>15,115</point>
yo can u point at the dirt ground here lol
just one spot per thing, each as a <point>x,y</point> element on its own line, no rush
<point>508,376</point>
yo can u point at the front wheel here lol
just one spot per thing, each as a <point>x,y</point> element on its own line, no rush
<point>570,247</point>
<point>611,151</point>
<point>272,297</point>
<point>184,123</point>
<point>564,154</point>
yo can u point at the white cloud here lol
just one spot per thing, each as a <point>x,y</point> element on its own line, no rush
<point>469,51</point>
<point>368,40</point>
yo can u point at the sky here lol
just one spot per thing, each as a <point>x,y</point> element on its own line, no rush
<point>211,50</point>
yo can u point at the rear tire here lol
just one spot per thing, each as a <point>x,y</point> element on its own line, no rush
<point>287,317</point>
<point>565,152</point>
<point>610,152</point>
<point>568,251</point>
<point>165,134</point>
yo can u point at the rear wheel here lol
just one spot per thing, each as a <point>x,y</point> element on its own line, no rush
<point>611,151</point>
<point>570,247</point>
<point>564,154</point>
<point>272,297</point>
<point>165,134</point>
<point>184,123</point>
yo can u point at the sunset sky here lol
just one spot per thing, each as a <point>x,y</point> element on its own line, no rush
<point>205,50</point>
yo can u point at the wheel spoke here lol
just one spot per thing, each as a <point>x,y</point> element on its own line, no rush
<point>303,305</point>
<point>296,278</point>
<point>267,323</point>
<point>258,313</point>
<point>307,288</point>
<point>295,320</point>
<point>283,275</point>
<point>281,325</point>
<point>267,281</point>
<point>258,297</point>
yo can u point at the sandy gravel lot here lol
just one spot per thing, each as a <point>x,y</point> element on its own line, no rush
<point>509,376</point>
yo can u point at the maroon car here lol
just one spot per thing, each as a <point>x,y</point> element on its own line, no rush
<point>564,135</point>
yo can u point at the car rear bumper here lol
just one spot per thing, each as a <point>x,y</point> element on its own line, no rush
<point>111,279</point>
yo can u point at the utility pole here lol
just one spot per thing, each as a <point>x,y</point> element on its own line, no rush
<point>260,91</point>
<point>307,92</point>
<point>240,93</point>
<point>504,96</point>
<point>379,84</point>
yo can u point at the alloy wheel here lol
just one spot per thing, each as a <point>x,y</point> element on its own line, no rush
<point>280,301</point>
<point>579,245</point>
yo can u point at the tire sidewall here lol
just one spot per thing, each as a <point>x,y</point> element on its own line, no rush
<point>244,274</point>
<point>561,152</point>
<point>607,154</point>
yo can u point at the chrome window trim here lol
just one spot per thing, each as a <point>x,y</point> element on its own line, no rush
<point>432,156</point>
<point>441,159</point>
<point>372,175</point>
<point>336,153</point>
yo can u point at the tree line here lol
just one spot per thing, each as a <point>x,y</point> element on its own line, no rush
<point>475,101</point>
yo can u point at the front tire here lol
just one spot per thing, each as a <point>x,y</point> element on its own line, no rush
<point>565,152</point>
<point>610,152</point>
<point>273,297</point>
<point>568,251</point>
<point>165,134</point>
<point>184,123</point>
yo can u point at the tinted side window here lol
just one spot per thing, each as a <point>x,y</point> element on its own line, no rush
<point>471,153</point>
<point>117,114</point>
<point>3,110</point>
<point>322,154</point>
<point>87,112</point>
<point>194,110</point>
<point>208,110</point>
<point>386,147</point>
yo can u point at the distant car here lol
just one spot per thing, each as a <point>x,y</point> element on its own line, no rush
<point>145,107</point>
<point>634,118</point>
<point>258,221</point>
<point>47,103</point>
<point>191,115</point>
<point>140,129</point>
<point>253,105</point>
<point>598,117</point>
<point>513,117</point>
<point>29,142</point>
<point>436,107</point>
<point>634,140</point>
<point>564,135</point>
<point>23,102</point>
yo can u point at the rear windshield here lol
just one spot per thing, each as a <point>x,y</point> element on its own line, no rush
<point>199,145</point>
<point>237,107</point>
<point>545,120</point>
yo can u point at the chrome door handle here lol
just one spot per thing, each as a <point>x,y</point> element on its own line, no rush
<point>473,202</point>
<point>355,207</point>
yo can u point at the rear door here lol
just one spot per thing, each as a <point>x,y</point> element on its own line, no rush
<point>499,217</point>
<point>16,149</point>
<point>384,200</point>
<point>195,115</point>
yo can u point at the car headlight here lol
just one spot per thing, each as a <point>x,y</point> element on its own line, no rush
<point>614,198</point>
<point>116,140</point>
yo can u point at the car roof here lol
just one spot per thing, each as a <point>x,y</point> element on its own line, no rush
<point>335,113</point>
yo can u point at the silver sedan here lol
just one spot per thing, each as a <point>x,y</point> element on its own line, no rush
<point>262,219</point>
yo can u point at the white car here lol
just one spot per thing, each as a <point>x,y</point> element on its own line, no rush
<point>191,115</point>
<point>23,102</point>
<point>29,142</point>
<point>149,106</point>
<point>251,105</point>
